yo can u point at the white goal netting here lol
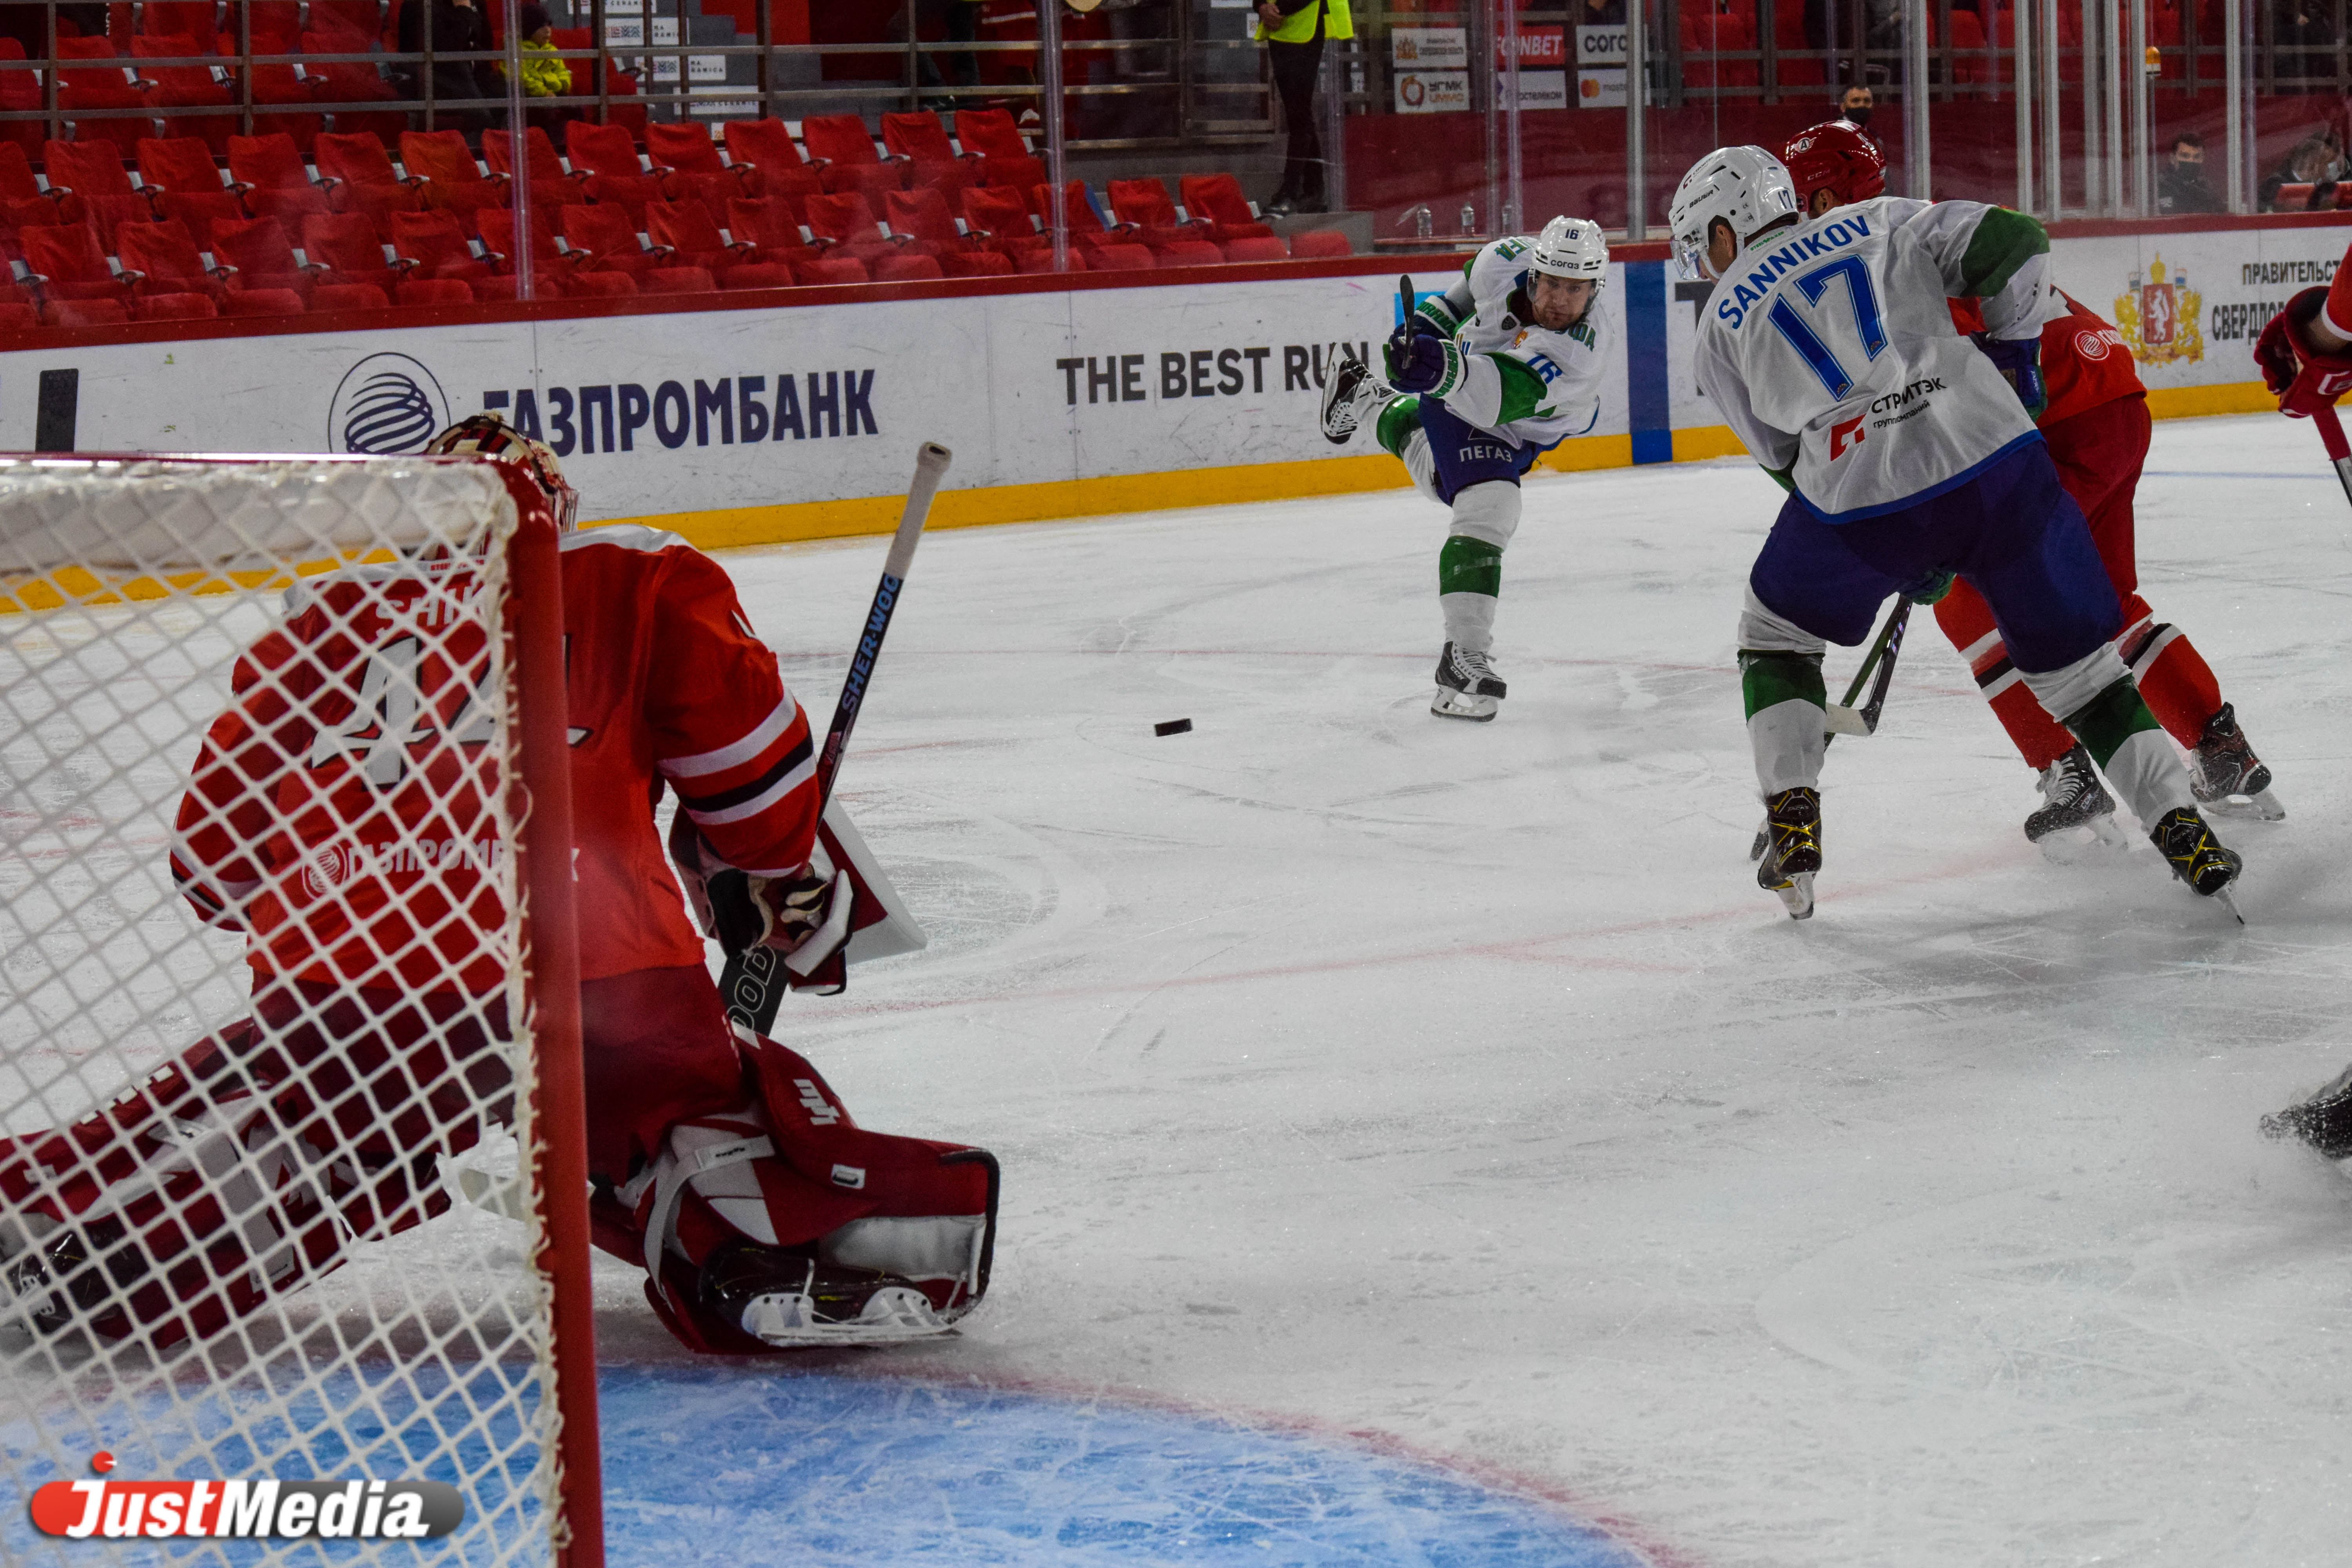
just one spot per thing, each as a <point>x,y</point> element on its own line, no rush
<point>264,1017</point>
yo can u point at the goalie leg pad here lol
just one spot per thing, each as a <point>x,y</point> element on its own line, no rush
<point>899,1231</point>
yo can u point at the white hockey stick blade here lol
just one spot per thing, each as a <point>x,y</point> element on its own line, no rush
<point>840,846</point>
<point>1840,720</point>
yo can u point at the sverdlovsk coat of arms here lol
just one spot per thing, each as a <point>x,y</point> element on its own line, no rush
<point>2158,318</point>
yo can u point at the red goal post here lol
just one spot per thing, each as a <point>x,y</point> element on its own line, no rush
<point>235,1243</point>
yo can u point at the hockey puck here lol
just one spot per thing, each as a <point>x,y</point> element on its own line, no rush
<point>1173,727</point>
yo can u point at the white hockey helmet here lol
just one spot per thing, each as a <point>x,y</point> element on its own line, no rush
<point>1747,187</point>
<point>1571,247</point>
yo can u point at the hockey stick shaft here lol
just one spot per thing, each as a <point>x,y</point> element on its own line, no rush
<point>753,983</point>
<point>2339,451</point>
<point>931,461</point>
<point>1879,660</point>
<point>1406,305</point>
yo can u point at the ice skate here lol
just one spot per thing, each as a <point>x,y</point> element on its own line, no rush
<point>1349,390</point>
<point>2227,775</point>
<point>1793,820</point>
<point>784,1298</point>
<point>1467,685</point>
<point>2197,858</point>
<point>2324,1122</point>
<point>2078,813</point>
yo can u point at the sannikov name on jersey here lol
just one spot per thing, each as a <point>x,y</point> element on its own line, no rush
<point>1830,351</point>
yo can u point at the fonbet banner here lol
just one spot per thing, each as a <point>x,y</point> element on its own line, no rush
<point>668,415</point>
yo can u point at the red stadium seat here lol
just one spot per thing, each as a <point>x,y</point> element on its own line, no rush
<point>19,318</point>
<point>1320,244</point>
<point>351,82</point>
<point>263,302</point>
<point>167,255</point>
<point>69,257</point>
<point>989,133</point>
<point>601,149</point>
<point>276,181</point>
<point>87,90</point>
<point>686,227</point>
<point>187,87</point>
<point>264,258</point>
<point>771,222</point>
<point>1217,200</point>
<point>924,214</point>
<point>905,269</point>
<point>919,137</point>
<point>1042,261</point>
<point>551,182</point>
<point>182,164</point>
<point>688,150</point>
<point>832,269</point>
<point>1121,258</point>
<point>454,180</point>
<point>846,222</point>
<point>1191,253</point>
<point>1256,247</point>
<point>610,235</point>
<point>1012,173</point>
<point>173,308</point>
<point>758,275</point>
<point>976,264</point>
<point>435,291</point>
<point>1003,217</point>
<point>365,179</point>
<point>275,84</point>
<point>585,285</point>
<point>678,280</point>
<point>349,297</point>
<point>20,93</point>
<point>438,245</point>
<point>349,245</point>
<point>766,145</point>
<point>179,18</point>
<point>842,140</point>
<point>85,313</point>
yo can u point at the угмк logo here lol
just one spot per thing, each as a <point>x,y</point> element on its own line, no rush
<point>387,405</point>
<point>325,1510</point>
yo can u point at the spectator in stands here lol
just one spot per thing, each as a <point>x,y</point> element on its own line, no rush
<point>452,27</point>
<point>1293,32</point>
<point>2181,186</point>
<point>1855,106</point>
<point>2318,161</point>
<point>543,75</point>
<point>1601,14</point>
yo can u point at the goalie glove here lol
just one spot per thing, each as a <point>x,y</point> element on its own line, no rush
<point>804,915</point>
<point>2303,376</point>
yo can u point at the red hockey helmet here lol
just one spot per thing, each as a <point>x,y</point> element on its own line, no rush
<point>1834,157</point>
<point>488,436</point>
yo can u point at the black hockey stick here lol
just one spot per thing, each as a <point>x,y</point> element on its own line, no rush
<point>753,981</point>
<point>1406,304</point>
<point>1845,718</point>
<point>2340,453</point>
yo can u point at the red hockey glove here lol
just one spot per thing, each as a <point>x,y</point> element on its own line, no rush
<point>2303,376</point>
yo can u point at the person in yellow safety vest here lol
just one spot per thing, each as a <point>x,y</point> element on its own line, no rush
<point>1293,32</point>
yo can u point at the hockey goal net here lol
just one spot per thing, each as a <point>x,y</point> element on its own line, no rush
<point>291,1188</point>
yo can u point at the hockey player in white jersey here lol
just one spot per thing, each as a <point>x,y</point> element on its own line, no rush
<point>1910,458</point>
<point>1482,380</point>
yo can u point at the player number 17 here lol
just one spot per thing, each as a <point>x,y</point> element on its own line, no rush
<point>1808,344</point>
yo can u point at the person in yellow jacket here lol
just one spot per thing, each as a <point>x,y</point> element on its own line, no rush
<point>1293,32</point>
<point>544,75</point>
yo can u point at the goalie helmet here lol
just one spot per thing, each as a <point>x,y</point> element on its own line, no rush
<point>1834,157</point>
<point>489,435</point>
<point>1747,187</point>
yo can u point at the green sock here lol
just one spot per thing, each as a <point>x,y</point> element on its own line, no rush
<point>1398,421</point>
<point>1468,565</point>
<point>1770,679</point>
<point>2105,722</point>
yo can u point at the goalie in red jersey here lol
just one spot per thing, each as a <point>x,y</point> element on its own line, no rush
<point>344,814</point>
<point>2096,426</point>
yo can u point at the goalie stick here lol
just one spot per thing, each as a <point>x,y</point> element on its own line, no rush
<point>1845,718</point>
<point>753,982</point>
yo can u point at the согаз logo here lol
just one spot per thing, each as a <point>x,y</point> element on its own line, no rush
<point>387,405</point>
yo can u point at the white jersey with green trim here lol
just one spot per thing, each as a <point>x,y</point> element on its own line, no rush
<point>1830,349</point>
<point>1505,374</point>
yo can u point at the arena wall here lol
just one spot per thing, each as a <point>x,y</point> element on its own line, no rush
<point>767,421</point>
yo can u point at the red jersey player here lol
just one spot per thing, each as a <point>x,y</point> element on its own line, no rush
<point>341,814</point>
<point>2096,426</point>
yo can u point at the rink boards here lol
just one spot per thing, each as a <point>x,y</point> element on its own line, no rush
<point>771,423</point>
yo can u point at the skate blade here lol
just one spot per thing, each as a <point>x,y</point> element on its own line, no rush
<point>1797,896</point>
<point>1761,843</point>
<point>2099,840</point>
<point>2221,896</point>
<point>1450,704</point>
<point>788,1320</point>
<point>2262,808</point>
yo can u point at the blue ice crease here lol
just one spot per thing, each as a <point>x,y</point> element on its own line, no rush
<point>735,1465</point>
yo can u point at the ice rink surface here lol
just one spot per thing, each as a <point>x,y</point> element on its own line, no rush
<point>1454,1083</point>
<point>1422,1141</point>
